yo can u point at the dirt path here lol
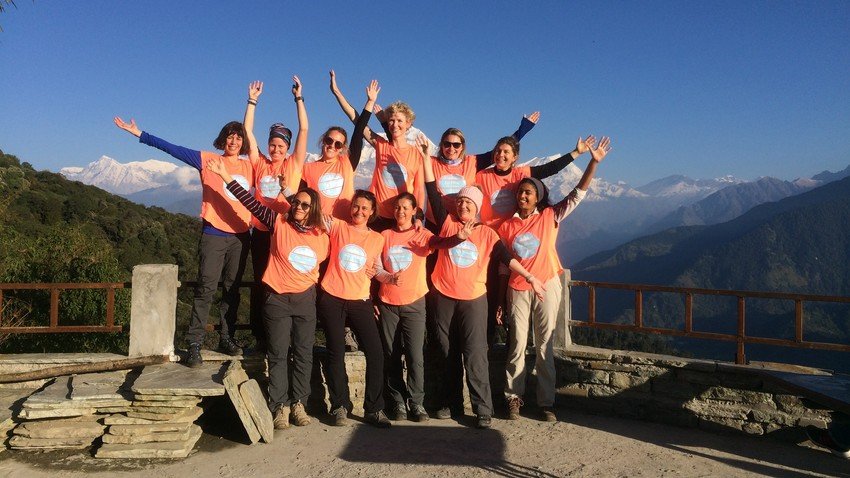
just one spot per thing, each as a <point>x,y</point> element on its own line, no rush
<point>578,445</point>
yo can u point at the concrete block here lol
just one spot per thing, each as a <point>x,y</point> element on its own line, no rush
<point>153,310</point>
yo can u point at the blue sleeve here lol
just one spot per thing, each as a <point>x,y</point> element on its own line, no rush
<point>188,156</point>
<point>524,127</point>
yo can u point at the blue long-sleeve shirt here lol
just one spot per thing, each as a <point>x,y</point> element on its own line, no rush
<point>188,156</point>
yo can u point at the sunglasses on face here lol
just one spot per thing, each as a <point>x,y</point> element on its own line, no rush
<point>328,141</point>
<point>451,144</point>
<point>305,206</point>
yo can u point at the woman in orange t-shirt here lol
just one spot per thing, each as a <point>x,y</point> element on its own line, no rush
<point>459,298</point>
<point>298,245</point>
<point>530,235</point>
<point>402,304</point>
<point>345,300</point>
<point>267,170</point>
<point>223,248</point>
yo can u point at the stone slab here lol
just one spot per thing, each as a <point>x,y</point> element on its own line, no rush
<point>258,408</point>
<point>57,391</point>
<point>233,378</point>
<point>144,429</point>
<point>54,359</point>
<point>24,442</point>
<point>157,437</point>
<point>162,417</point>
<point>151,450</point>
<point>153,306</point>
<point>99,386</point>
<point>30,414</point>
<point>68,429</point>
<point>162,410</point>
<point>187,417</point>
<point>165,400</point>
<point>99,403</point>
<point>176,379</point>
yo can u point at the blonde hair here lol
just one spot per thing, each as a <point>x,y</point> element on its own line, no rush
<point>403,108</point>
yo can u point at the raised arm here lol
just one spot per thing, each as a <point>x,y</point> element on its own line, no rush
<point>556,165</point>
<point>188,156</point>
<point>484,160</point>
<point>300,153</point>
<point>355,148</point>
<point>349,110</point>
<point>567,205</point>
<point>255,89</point>
<point>264,214</point>
<point>435,200</point>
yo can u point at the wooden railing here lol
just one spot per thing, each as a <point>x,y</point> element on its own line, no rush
<point>740,338</point>
<point>55,290</point>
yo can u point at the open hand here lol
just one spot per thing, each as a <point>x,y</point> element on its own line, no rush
<point>584,145</point>
<point>372,90</point>
<point>538,287</point>
<point>255,89</point>
<point>296,86</point>
<point>466,230</point>
<point>533,117</point>
<point>128,127</point>
<point>422,144</point>
<point>334,88</point>
<point>604,147</point>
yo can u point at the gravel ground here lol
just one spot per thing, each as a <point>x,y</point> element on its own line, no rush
<point>578,445</point>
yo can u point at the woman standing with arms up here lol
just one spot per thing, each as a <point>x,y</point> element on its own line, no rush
<point>298,245</point>
<point>397,163</point>
<point>531,235</point>
<point>267,169</point>
<point>460,300</point>
<point>223,248</point>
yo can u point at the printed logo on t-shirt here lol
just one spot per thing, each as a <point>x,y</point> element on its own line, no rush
<point>269,187</point>
<point>464,254</point>
<point>451,183</point>
<point>400,258</point>
<point>242,182</point>
<point>526,245</point>
<point>330,185</point>
<point>503,202</point>
<point>394,175</point>
<point>352,257</point>
<point>303,259</point>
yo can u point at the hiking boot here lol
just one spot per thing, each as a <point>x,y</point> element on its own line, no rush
<point>399,412</point>
<point>281,418</point>
<point>514,404</point>
<point>227,345</point>
<point>443,414</point>
<point>350,341</point>
<point>824,439</point>
<point>379,419</point>
<point>418,413</point>
<point>548,414</point>
<point>195,360</point>
<point>340,415</point>
<point>299,415</point>
<point>483,421</point>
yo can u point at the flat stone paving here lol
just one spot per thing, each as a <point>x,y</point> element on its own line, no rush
<point>579,445</point>
<point>176,379</point>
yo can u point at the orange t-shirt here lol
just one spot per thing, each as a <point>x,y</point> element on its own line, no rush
<point>532,242</point>
<point>396,171</point>
<point>405,252</point>
<point>499,193</point>
<point>219,207</point>
<point>461,272</point>
<point>266,185</point>
<point>451,179</point>
<point>352,251</point>
<point>294,257</point>
<point>334,180</point>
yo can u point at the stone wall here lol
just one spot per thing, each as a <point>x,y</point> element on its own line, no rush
<point>705,394</point>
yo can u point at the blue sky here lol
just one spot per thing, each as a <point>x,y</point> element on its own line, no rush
<point>702,89</point>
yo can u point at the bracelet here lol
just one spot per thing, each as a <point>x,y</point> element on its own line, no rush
<point>252,102</point>
<point>299,98</point>
<point>528,278</point>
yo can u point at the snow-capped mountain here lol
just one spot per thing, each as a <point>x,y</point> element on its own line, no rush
<point>128,178</point>
<point>683,186</point>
